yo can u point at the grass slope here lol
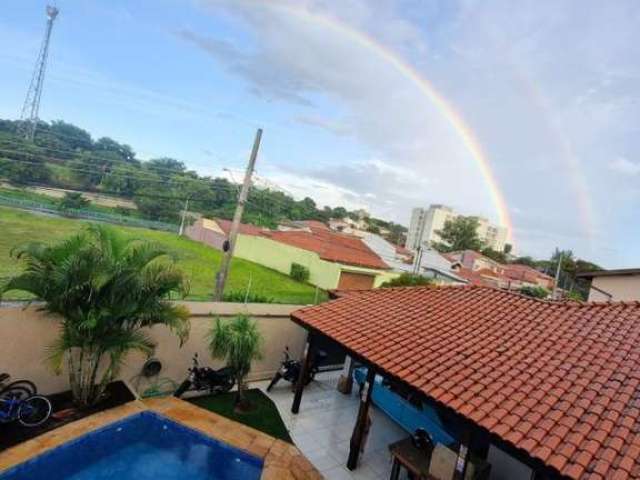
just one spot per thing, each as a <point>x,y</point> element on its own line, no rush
<point>264,416</point>
<point>197,260</point>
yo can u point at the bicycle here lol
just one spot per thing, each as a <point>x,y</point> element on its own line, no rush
<point>24,385</point>
<point>30,412</point>
<point>18,401</point>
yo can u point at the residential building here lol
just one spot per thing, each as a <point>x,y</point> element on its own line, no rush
<point>537,389</point>
<point>334,260</point>
<point>479,269</point>
<point>432,264</point>
<point>606,285</point>
<point>214,232</point>
<point>425,223</point>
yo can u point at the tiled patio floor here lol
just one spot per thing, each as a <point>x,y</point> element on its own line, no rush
<point>324,425</point>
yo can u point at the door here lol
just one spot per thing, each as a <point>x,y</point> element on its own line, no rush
<point>355,281</point>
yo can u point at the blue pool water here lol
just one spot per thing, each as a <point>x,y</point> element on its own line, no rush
<point>145,446</point>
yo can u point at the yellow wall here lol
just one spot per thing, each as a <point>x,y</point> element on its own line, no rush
<point>280,256</point>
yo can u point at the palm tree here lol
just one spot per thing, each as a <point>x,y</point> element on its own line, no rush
<point>239,341</point>
<point>107,288</point>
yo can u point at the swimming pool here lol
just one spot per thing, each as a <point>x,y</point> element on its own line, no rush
<point>145,446</point>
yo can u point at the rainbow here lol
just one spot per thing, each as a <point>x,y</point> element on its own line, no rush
<point>410,73</point>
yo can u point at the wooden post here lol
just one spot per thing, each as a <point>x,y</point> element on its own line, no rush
<point>361,423</point>
<point>345,383</point>
<point>304,369</point>
<point>221,275</point>
<point>463,455</point>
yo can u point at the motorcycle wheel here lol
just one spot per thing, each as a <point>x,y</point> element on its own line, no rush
<point>184,386</point>
<point>276,378</point>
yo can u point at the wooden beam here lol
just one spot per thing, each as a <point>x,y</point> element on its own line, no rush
<point>358,436</point>
<point>304,369</point>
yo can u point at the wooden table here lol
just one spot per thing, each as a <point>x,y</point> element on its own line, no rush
<point>406,455</point>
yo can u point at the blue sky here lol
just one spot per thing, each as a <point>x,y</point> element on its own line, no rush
<point>550,89</point>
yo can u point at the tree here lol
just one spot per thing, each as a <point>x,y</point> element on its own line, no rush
<point>499,257</point>
<point>460,233</point>
<point>239,341</point>
<point>525,261</point>
<point>73,201</point>
<point>106,288</point>
<point>507,248</point>
<point>165,206</point>
<point>407,280</point>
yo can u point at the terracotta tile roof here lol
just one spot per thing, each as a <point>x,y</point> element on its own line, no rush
<point>330,246</point>
<point>524,272</point>
<point>558,380</point>
<point>245,228</point>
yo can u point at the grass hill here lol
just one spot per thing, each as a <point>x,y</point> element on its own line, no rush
<point>198,261</point>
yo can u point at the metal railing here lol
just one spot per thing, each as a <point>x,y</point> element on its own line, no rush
<point>86,214</point>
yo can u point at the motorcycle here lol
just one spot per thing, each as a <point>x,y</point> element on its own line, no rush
<point>290,369</point>
<point>205,378</point>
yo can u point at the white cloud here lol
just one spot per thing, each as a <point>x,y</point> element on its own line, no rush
<point>550,91</point>
<point>625,166</point>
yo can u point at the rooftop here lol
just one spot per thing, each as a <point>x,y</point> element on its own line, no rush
<point>559,380</point>
<point>330,246</point>
<point>610,273</point>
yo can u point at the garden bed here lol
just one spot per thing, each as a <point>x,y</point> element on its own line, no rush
<point>264,416</point>
<point>11,434</point>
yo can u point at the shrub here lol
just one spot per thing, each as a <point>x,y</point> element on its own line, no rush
<point>299,272</point>
<point>241,296</point>
<point>73,201</point>
<point>535,292</point>
<point>407,280</point>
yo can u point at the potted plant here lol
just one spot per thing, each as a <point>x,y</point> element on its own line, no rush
<point>239,342</point>
<point>106,288</point>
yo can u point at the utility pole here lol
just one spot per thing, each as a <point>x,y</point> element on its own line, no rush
<point>31,106</point>
<point>556,291</point>
<point>221,276</point>
<point>184,214</point>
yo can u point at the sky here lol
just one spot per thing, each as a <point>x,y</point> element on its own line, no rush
<point>527,114</point>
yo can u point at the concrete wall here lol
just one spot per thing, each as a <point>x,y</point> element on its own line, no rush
<point>621,287</point>
<point>280,256</point>
<point>26,333</point>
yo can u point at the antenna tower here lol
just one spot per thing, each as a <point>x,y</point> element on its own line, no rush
<point>31,106</point>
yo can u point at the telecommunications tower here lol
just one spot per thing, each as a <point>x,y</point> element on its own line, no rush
<point>29,115</point>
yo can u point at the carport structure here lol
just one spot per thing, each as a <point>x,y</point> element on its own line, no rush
<point>553,385</point>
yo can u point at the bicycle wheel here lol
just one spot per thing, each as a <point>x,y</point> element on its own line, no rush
<point>30,386</point>
<point>34,411</point>
<point>17,392</point>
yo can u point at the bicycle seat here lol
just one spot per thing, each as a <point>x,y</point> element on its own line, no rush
<point>4,376</point>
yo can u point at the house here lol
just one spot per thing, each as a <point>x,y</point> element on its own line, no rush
<point>214,232</point>
<point>623,284</point>
<point>334,260</point>
<point>432,264</point>
<point>538,389</point>
<point>479,269</point>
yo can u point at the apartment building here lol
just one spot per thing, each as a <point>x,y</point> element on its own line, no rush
<point>425,223</point>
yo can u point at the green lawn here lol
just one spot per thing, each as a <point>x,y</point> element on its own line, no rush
<point>197,260</point>
<point>263,417</point>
